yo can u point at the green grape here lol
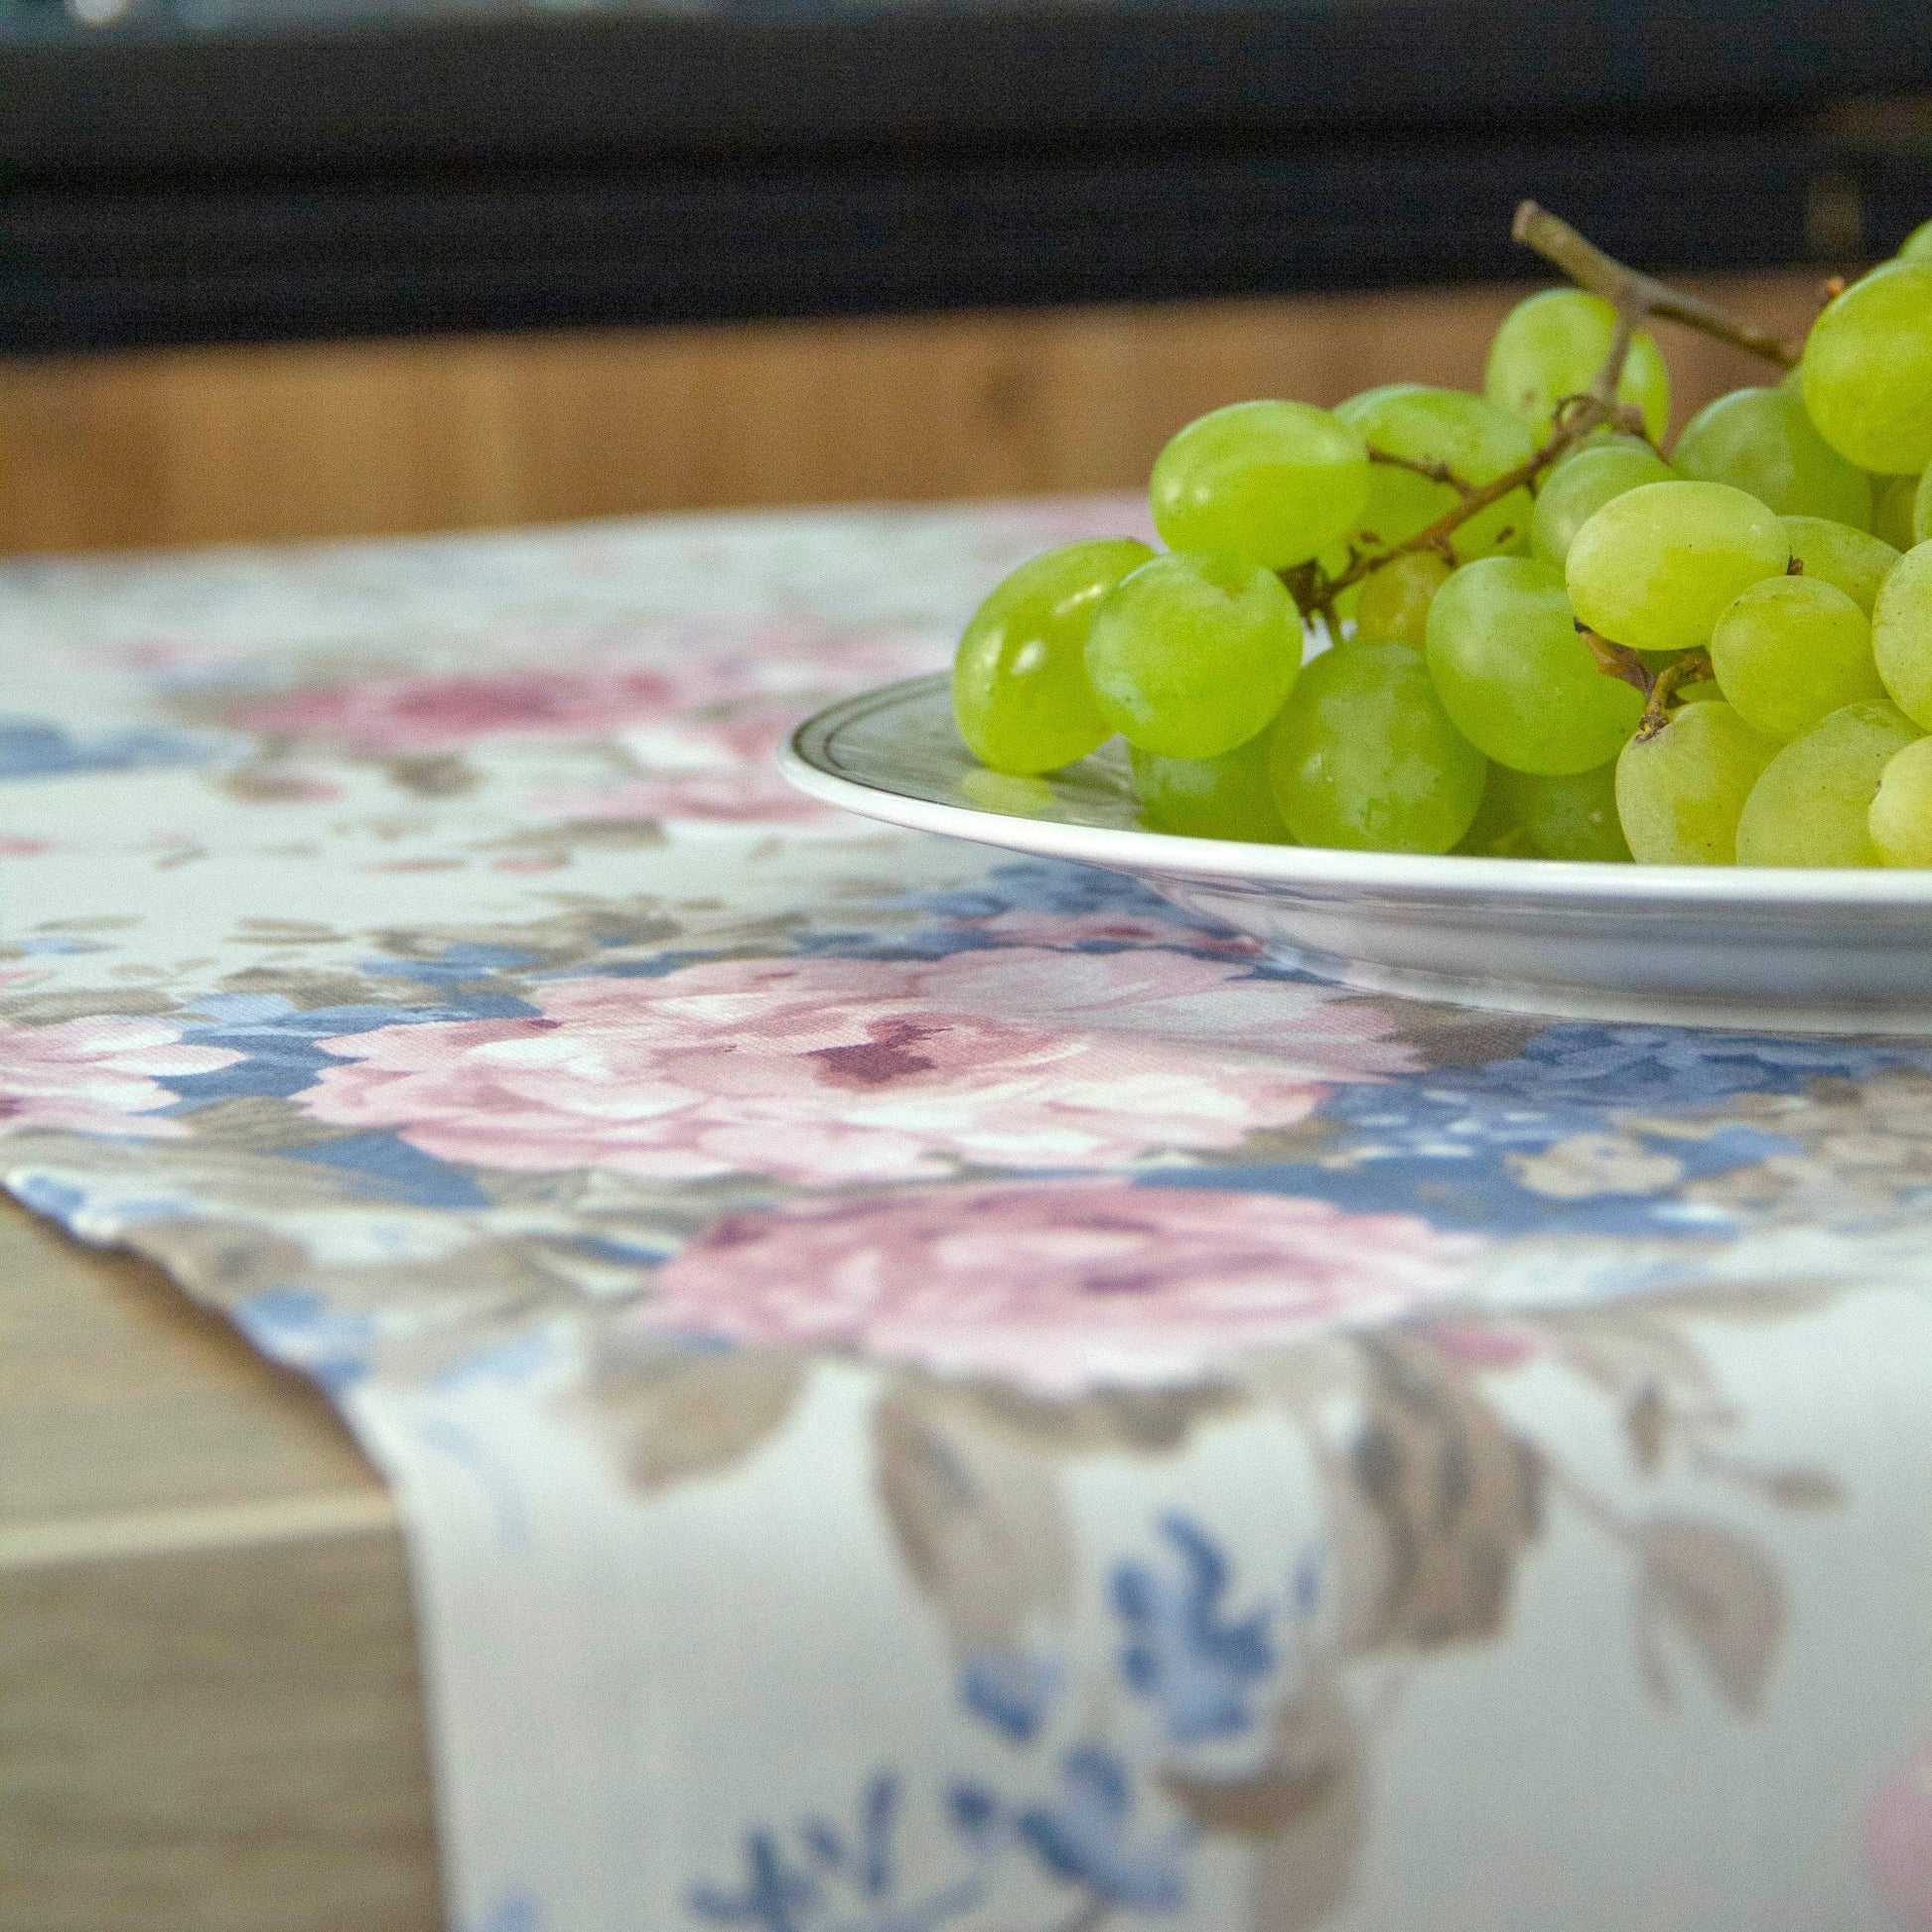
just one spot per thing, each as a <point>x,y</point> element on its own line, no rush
<point>1524,816</point>
<point>1790,652</point>
<point>1514,676</point>
<point>1020,687</point>
<point>1655,567</point>
<point>1228,797</point>
<point>1190,656</point>
<point>1681,792</point>
<point>1762,441</point>
<point>1901,633</point>
<point>1869,370</point>
<point>1834,553</point>
<point>1894,499</point>
<point>1575,490</point>
<point>1474,439</point>
<point>1395,599</point>
<point>1811,805</point>
<point>1917,246</point>
<point>1703,690</point>
<point>1553,346</point>
<point>1603,438</point>
<point>1922,508</point>
<point>1267,483</point>
<point>1363,756</point>
<point>1012,794</point>
<point>1495,832</point>
<point>1899,819</point>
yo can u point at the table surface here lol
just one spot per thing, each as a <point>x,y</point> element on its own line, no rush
<point>198,1567</point>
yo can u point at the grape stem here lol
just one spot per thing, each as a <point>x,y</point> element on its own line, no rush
<point>1637,294</point>
<point>1691,666</point>
<point>1437,473</point>
<point>1619,661</point>
<point>1577,416</point>
<point>1659,688</point>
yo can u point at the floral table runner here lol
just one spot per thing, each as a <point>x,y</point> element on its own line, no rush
<point>929,1391</point>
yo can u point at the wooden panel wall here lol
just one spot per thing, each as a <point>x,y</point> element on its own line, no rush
<point>199,446</point>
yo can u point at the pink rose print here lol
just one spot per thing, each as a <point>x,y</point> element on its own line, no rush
<point>1898,1841</point>
<point>1479,1346</point>
<point>1057,1286</point>
<point>1028,927</point>
<point>95,1076</point>
<point>822,1071</point>
<point>408,716</point>
<point>738,796</point>
<point>717,770</point>
<point>1012,532</point>
<point>733,702</point>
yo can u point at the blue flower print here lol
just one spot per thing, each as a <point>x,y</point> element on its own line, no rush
<point>1660,1069</point>
<point>1032,886</point>
<point>105,1208</point>
<point>458,966</point>
<point>777,1896</point>
<point>280,1041</point>
<point>1011,1690</point>
<point>30,748</point>
<point>1304,1584</point>
<point>515,1911</point>
<point>386,1167</point>
<point>1569,1079</point>
<point>298,1327</point>
<point>1053,886</point>
<point>1085,1837</point>
<point>976,1813</point>
<point>1184,1652</point>
<point>1439,1143</point>
<point>58,1200</point>
<point>836,1880</point>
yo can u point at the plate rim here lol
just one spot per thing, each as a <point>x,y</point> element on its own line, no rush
<point>805,760</point>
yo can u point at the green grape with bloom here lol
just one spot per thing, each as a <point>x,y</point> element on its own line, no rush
<point>1225,798</point>
<point>1264,483</point>
<point>1852,561</point>
<point>1527,816</point>
<point>1811,805</point>
<point>1791,651</point>
<point>1445,429</point>
<point>1576,489</point>
<point>1020,681</point>
<point>1553,343</point>
<point>1764,442</point>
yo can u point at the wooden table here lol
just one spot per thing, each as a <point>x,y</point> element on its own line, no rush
<point>210,1716</point>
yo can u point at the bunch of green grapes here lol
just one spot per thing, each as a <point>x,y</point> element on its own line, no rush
<point>1509,624</point>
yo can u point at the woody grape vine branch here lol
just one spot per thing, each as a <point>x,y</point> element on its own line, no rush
<point>1631,291</point>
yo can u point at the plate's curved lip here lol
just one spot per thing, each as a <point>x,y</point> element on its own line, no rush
<point>806,761</point>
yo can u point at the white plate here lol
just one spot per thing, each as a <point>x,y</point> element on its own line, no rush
<point>1749,947</point>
